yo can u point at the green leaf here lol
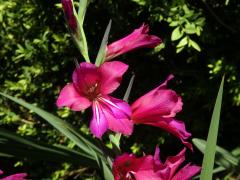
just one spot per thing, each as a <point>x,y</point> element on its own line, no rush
<point>194,45</point>
<point>209,155</point>
<point>176,34</point>
<point>174,23</point>
<point>223,157</point>
<point>115,141</point>
<point>179,49</point>
<point>226,2</point>
<point>82,10</point>
<point>84,145</point>
<point>190,28</point>
<point>102,50</point>
<point>13,145</point>
<point>129,88</point>
<point>183,42</point>
<point>107,172</point>
<point>79,36</point>
<point>103,166</point>
<point>81,42</point>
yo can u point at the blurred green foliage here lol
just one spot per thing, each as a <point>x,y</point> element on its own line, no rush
<point>200,45</point>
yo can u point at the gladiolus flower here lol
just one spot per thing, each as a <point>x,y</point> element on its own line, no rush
<point>90,87</point>
<point>158,108</point>
<point>137,39</point>
<point>129,167</point>
<point>69,14</point>
<point>19,176</point>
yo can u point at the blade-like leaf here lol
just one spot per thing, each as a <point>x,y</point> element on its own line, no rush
<point>129,88</point>
<point>84,144</point>
<point>13,145</point>
<point>82,10</point>
<point>215,171</point>
<point>102,50</point>
<point>64,127</point>
<point>79,36</point>
<point>106,170</point>
<point>223,157</point>
<point>5,155</point>
<point>209,155</point>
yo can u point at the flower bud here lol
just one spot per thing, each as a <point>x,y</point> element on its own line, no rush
<point>69,14</point>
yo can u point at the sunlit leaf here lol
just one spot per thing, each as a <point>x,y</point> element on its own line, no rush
<point>183,42</point>
<point>176,34</point>
<point>194,45</point>
<point>82,10</point>
<point>223,157</point>
<point>209,155</point>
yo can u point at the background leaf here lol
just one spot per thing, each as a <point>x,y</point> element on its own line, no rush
<point>176,34</point>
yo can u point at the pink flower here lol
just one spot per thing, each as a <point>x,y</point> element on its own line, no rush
<point>137,39</point>
<point>158,108</point>
<point>129,167</point>
<point>69,14</point>
<point>91,86</point>
<point>19,176</point>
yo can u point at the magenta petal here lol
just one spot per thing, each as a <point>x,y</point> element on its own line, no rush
<point>111,75</point>
<point>70,17</point>
<point>173,162</point>
<point>20,176</point>
<point>137,39</point>
<point>117,113</point>
<point>165,103</point>
<point>187,172</point>
<point>85,76</point>
<point>159,101</point>
<point>156,156</point>
<point>177,128</point>
<point>157,108</point>
<point>118,107</point>
<point>123,126</point>
<point>126,166</point>
<point>1,172</point>
<point>71,98</point>
<point>98,124</point>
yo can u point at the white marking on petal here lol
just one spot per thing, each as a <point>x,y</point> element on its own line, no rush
<point>109,102</point>
<point>97,112</point>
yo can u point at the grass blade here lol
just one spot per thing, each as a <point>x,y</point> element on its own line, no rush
<point>13,145</point>
<point>64,127</point>
<point>209,155</point>
<point>85,145</point>
<point>129,88</point>
<point>102,50</point>
<point>82,10</point>
<point>224,158</point>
